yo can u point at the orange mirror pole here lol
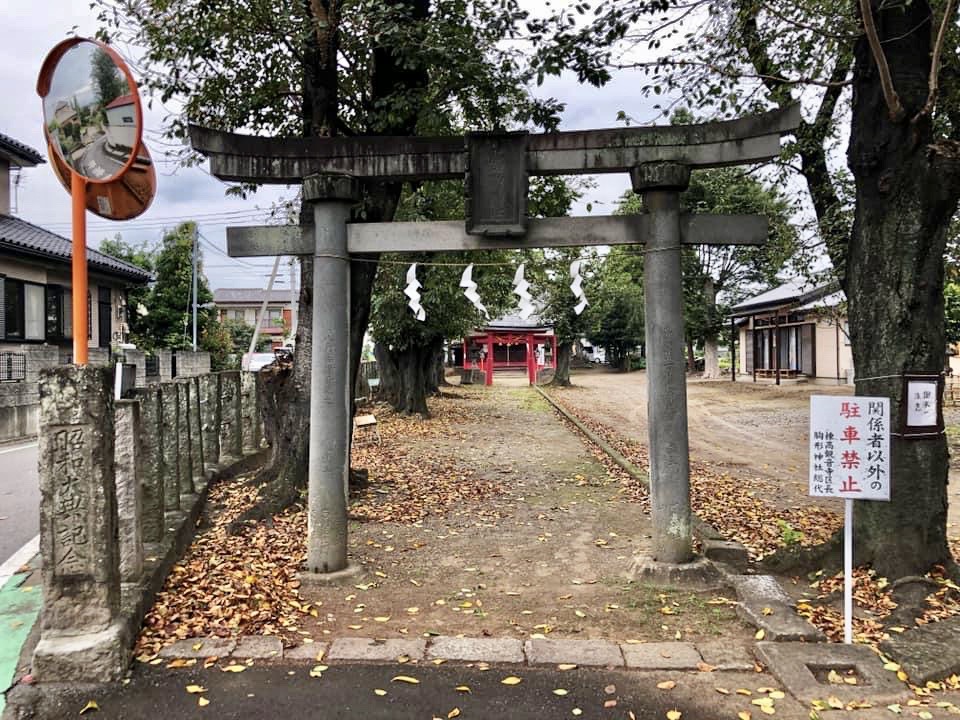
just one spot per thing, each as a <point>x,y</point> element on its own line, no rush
<point>78,192</point>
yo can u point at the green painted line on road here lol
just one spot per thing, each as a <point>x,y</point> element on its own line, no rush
<point>19,608</point>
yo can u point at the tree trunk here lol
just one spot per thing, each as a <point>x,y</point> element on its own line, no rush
<point>388,373</point>
<point>711,360</point>
<point>906,191</point>
<point>561,375</point>
<point>691,360</point>
<point>415,367</point>
<point>289,421</point>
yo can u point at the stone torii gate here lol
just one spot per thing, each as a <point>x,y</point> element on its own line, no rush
<point>496,168</point>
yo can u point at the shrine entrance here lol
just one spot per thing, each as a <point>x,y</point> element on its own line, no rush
<point>496,168</point>
<point>501,346</point>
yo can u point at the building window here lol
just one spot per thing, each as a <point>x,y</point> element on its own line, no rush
<point>54,312</point>
<point>274,318</point>
<point>238,315</point>
<point>24,310</point>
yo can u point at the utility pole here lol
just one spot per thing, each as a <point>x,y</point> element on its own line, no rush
<point>196,239</point>
<point>263,305</point>
<point>294,299</point>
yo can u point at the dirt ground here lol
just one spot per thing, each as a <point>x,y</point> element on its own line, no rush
<point>552,553</point>
<point>758,430</point>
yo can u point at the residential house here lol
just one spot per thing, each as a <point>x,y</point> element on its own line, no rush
<point>244,305</point>
<point>35,276</point>
<point>795,331</point>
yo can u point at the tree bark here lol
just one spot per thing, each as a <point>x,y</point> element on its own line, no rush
<point>711,360</point>
<point>906,191</point>
<point>388,373</point>
<point>561,375</point>
<point>691,360</point>
<point>415,370</point>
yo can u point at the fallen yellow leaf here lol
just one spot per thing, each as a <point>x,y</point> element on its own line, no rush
<point>511,680</point>
<point>318,670</point>
<point>235,668</point>
<point>462,688</point>
<point>924,715</point>
<point>202,702</point>
<point>666,685</point>
<point>576,711</point>
<point>196,689</point>
<point>673,714</point>
<point>453,713</point>
<point>91,706</point>
<point>759,635</point>
<point>722,691</point>
<point>560,691</point>
<point>406,679</point>
<point>743,715</point>
<point>566,666</point>
<point>382,618</point>
<point>378,691</point>
<point>579,613</point>
<point>835,702</point>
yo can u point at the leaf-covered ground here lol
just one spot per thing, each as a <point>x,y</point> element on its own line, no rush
<point>739,491</point>
<point>491,518</point>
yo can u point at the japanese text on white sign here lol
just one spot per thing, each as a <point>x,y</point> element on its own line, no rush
<point>850,447</point>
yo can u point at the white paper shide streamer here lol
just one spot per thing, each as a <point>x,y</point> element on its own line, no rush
<point>412,291</point>
<point>577,287</point>
<point>470,290</point>
<point>522,289</point>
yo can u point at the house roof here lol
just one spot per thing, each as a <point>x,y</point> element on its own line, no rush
<point>23,238</point>
<point>792,292</point>
<point>18,153</point>
<point>249,296</point>
<point>120,101</point>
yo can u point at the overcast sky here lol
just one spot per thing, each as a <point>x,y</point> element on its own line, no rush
<point>191,193</point>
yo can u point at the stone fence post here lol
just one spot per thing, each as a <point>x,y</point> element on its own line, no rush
<point>82,638</point>
<point>196,433</point>
<point>231,424</point>
<point>171,446</point>
<point>252,422</point>
<point>165,362</point>
<point>152,463</point>
<point>129,475</point>
<point>210,414</point>
<point>183,426</point>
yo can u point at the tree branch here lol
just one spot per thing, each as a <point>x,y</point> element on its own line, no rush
<point>894,106</point>
<point>934,91</point>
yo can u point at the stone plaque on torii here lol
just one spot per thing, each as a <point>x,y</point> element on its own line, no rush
<point>495,168</point>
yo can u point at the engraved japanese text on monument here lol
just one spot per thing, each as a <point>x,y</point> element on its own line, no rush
<point>71,462</point>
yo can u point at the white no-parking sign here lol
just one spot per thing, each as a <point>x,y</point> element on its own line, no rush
<point>850,447</point>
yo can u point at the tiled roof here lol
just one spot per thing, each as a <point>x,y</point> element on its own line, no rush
<point>249,296</point>
<point>792,291</point>
<point>20,237</point>
<point>25,155</point>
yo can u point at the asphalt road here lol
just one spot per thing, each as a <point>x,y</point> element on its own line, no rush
<point>348,691</point>
<point>96,163</point>
<point>19,497</point>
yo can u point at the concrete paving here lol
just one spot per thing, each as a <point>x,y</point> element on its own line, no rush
<point>369,691</point>
<point>19,497</point>
<point>930,652</point>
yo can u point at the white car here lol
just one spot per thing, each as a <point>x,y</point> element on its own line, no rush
<point>254,362</point>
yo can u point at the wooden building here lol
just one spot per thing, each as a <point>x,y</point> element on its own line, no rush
<point>795,331</point>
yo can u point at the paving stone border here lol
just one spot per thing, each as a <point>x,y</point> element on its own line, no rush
<point>537,651</point>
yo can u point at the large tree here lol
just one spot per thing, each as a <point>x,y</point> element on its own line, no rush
<point>900,61</point>
<point>323,68</point>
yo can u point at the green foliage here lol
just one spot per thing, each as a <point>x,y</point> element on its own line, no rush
<point>142,256</point>
<point>108,84</point>
<point>242,65</point>
<point>951,297</point>
<point>615,317</point>
<point>788,535</point>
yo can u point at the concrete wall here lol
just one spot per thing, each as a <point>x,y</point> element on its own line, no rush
<point>18,410</point>
<point>190,364</point>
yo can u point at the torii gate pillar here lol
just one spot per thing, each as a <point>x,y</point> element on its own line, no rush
<point>329,461</point>
<point>660,185</point>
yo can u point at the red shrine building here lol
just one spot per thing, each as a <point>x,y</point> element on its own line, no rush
<point>509,344</point>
